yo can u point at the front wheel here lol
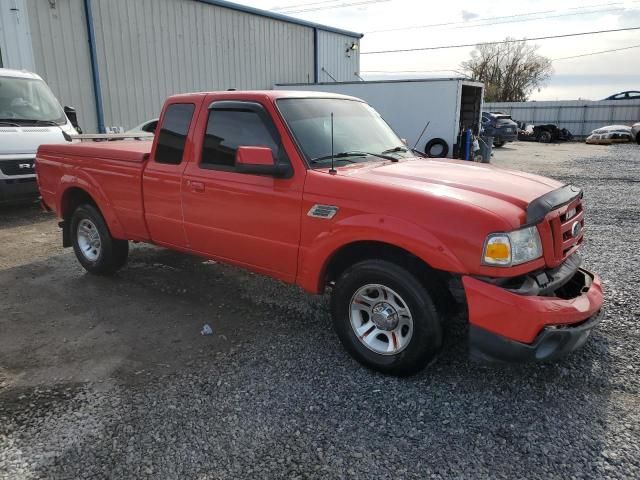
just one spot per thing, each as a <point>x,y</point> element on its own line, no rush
<point>96,250</point>
<point>385,318</point>
<point>499,142</point>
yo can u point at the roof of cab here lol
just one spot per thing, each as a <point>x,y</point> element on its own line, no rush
<point>265,94</point>
<point>9,72</point>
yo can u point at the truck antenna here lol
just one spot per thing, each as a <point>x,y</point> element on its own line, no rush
<point>333,170</point>
<point>422,133</point>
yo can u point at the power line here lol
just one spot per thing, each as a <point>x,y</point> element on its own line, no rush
<point>553,60</point>
<point>596,32</point>
<point>298,5</point>
<point>466,24</point>
<point>337,5</point>
<point>597,53</point>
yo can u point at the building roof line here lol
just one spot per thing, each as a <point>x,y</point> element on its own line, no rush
<point>279,16</point>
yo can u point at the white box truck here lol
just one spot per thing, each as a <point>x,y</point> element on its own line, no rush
<point>447,105</point>
<point>30,115</point>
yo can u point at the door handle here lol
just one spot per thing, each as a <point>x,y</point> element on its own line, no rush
<point>197,186</point>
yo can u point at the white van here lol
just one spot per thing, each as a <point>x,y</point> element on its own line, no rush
<point>30,115</point>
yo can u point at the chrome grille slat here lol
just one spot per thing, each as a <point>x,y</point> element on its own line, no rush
<point>564,243</point>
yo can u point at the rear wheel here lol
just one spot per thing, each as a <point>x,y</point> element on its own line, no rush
<point>638,138</point>
<point>385,318</point>
<point>96,250</point>
<point>544,137</point>
<point>498,142</point>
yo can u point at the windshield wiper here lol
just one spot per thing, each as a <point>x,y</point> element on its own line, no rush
<point>12,124</point>
<point>399,148</point>
<point>342,156</point>
<point>45,122</point>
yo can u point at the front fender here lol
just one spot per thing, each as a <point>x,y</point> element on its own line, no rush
<point>80,179</point>
<point>319,244</point>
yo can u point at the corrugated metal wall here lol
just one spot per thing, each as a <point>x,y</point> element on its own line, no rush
<point>578,116</point>
<point>333,59</point>
<point>16,50</point>
<point>61,55</point>
<point>150,49</point>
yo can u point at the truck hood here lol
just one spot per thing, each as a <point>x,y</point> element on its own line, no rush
<point>488,187</point>
<point>26,140</point>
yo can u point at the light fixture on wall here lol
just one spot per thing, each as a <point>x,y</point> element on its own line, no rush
<point>351,47</point>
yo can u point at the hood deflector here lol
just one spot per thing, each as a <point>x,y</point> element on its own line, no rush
<point>538,209</point>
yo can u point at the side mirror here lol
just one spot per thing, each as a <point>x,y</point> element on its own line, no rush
<point>71,114</point>
<point>258,161</point>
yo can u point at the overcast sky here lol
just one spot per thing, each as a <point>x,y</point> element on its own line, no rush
<point>591,77</point>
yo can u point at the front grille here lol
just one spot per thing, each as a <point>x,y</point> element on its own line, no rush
<point>17,167</point>
<point>567,228</point>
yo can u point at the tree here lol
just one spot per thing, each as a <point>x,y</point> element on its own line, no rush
<point>510,71</point>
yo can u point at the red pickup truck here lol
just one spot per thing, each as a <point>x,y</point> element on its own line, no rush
<point>317,190</point>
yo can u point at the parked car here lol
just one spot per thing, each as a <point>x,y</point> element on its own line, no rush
<point>628,95</point>
<point>545,133</point>
<point>30,115</point>
<point>315,189</point>
<point>149,127</point>
<point>500,126</point>
<point>610,134</point>
<point>635,132</point>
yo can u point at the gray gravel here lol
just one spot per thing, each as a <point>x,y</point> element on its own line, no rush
<point>272,394</point>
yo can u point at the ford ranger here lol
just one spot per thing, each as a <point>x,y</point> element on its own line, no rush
<point>316,190</point>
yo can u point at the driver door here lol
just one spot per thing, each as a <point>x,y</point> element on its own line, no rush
<point>247,219</point>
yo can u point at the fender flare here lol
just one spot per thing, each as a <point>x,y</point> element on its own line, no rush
<point>92,188</point>
<point>315,256</point>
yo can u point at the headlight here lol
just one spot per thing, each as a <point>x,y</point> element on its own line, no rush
<point>512,248</point>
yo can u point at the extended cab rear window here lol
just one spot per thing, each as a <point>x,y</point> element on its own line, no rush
<point>173,133</point>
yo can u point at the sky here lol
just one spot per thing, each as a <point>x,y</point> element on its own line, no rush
<point>413,24</point>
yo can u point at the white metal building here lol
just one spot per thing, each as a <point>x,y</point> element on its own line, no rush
<point>116,61</point>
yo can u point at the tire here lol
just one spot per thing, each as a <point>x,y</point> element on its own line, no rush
<point>638,138</point>
<point>499,142</point>
<point>96,250</point>
<point>411,344</point>
<point>436,142</point>
<point>544,137</point>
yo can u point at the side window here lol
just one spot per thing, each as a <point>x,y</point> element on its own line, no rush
<point>228,129</point>
<point>173,133</point>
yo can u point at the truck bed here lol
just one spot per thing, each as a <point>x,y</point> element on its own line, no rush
<point>122,150</point>
<point>113,169</point>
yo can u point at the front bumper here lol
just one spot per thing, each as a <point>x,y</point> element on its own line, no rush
<point>19,189</point>
<point>508,326</point>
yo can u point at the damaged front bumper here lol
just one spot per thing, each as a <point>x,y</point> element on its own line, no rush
<point>539,317</point>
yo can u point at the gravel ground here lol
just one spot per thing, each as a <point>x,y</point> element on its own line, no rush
<point>109,378</point>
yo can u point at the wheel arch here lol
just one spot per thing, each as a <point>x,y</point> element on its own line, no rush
<point>75,195</point>
<point>444,285</point>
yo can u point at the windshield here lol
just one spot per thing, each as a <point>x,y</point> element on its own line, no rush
<point>28,100</point>
<point>359,132</point>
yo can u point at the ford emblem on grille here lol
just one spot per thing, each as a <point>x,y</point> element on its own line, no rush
<point>575,229</point>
